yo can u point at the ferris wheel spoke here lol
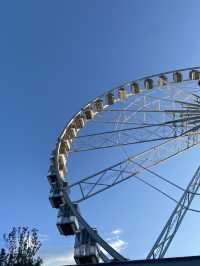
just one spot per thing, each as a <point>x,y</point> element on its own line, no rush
<point>142,180</point>
<point>168,100</point>
<point>190,104</point>
<point>197,110</point>
<point>193,129</point>
<point>191,115</point>
<point>133,165</point>
<point>132,128</point>
<point>140,141</point>
<point>162,243</point>
<point>94,141</point>
<point>121,122</point>
<point>93,192</point>
<point>122,144</point>
<point>159,105</point>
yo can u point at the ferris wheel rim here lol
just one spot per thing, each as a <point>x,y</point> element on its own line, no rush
<point>82,221</point>
<point>123,84</point>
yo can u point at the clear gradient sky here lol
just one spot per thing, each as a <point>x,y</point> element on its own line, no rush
<point>54,57</point>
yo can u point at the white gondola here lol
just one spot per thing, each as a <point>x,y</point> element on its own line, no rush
<point>162,80</point>
<point>67,223</point>
<point>52,175</point>
<point>177,77</point>
<point>79,121</point>
<point>99,105</point>
<point>194,75</point>
<point>62,162</point>
<point>86,250</point>
<point>64,145</point>
<point>62,172</point>
<point>122,93</point>
<point>53,157</point>
<point>89,114</point>
<point>72,132</point>
<point>135,88</point>
<point>56,196</point>
<point>110,98</point>
<point>62,165</point>
<point>148,84</point>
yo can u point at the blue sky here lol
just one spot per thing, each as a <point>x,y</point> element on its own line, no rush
<point>54,57</point>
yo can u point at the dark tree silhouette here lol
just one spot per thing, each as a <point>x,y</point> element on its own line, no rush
<point>22,246</point>
<point>2,257</point>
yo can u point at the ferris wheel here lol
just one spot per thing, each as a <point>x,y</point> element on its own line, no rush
<point>130,129</point>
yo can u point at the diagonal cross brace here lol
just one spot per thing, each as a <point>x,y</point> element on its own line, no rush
<point>165,238</point>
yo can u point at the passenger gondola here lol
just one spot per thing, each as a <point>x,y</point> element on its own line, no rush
<point>67,223</point>
<point>86,249</point>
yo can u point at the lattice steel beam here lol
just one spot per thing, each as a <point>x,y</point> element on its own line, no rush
<point>115,174</point>
<point>164,240</point>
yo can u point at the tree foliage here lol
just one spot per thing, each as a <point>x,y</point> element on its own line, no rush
<point>21,247</point>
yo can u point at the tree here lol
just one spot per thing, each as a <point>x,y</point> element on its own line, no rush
<point>22,246</point>
<point>2,257</point>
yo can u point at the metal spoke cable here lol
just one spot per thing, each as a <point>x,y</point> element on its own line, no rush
<point>125,144</point>
<point>154,111</point>
<point>128,158</point>
<point>185,119</point>
<point>161,177</point>
<point>188,103</point>
<point>120,130</point>
<point>138,142</point>
<point>166,99</point>
<point>164,193</point>
<point>121,122</point>
<point>164,179</point>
